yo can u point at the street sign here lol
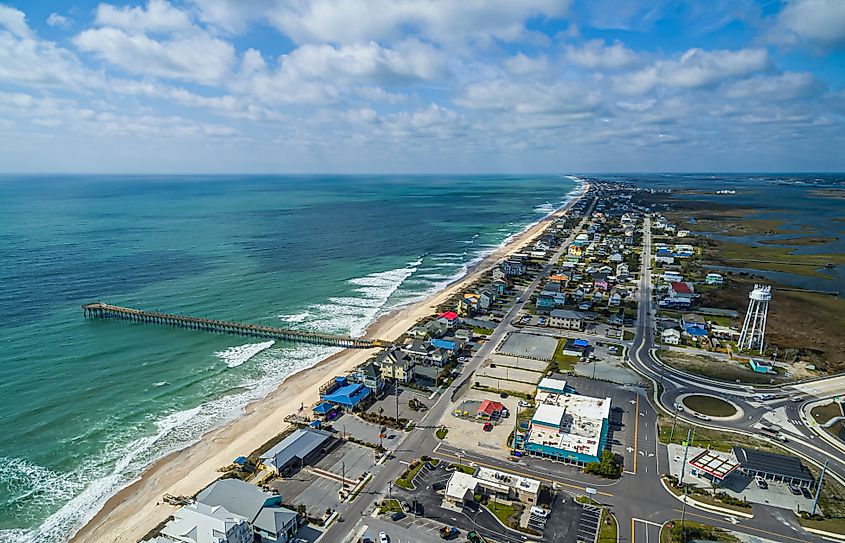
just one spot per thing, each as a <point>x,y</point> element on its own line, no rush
<point>590,490</point>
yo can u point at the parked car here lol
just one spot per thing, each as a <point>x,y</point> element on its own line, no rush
<point>679,407</point>
<point>806,492</point>
<point>439,485</point>
<point>702,416</point>
<point>503,395</point>
<point>488,426</point>
<point>540,512</point>
<point>449,532</point>
<point>762,484</point>
<point>794,489</point>
<point>525,404</point>
<point>382,538</point>
<point>398,515</point>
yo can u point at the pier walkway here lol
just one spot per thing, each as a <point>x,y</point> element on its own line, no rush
<point>106,311</point>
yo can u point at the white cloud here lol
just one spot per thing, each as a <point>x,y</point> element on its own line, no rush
<point>696,68</point>
<point>597,55</point>
<point>786,86</point>
<point>14,21</point>
<point>356,21</point>
<point>27,61</point>
<point>199,57</point>
<point>530,98</point>
<point>819,22</point>
<point>55,19</point>
<point>521,64</point>
<point>322,73</point>
<point>158,16</point>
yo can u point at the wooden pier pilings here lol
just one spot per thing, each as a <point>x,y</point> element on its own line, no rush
<point>106,311</point>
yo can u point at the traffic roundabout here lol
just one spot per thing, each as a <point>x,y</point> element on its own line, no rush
<point>710,407</point>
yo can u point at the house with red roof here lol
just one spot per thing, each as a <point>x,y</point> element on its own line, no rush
<point>449,318</point>
<point>490,410</point>
<point>679,289</point>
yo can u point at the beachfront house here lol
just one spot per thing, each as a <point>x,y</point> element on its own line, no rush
<point>302,447</point>
<point>271,522</point>
<point>513,267</point>
<point>343,392</point>
<point>200,523</point>
<point>396,365</point>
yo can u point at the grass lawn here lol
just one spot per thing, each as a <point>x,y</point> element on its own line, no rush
<point>405,481</point>
<point>564,362</point>
<point>824,413</point>
<point>482,331</point>
<point>694,531</point>
<point>715,368</point>
<point>607,528</point>
<point>834,525</point>
<point>627,335</point>
<point>700,496</point>
<point>389,506</point>
<point>464,468</point>
<point>503,512</point>
<point>709,405</point>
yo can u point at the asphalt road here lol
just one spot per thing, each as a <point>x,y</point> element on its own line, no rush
<point>638,499</point>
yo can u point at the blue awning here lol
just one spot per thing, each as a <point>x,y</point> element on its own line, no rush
<point>323,407</point>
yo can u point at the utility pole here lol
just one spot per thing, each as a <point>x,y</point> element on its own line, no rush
<point>515,428</point>
<point>674,421</point>
<point>819,488</point>
<point>396,392</point>
<point>681,482</point>
<point>343,474</point>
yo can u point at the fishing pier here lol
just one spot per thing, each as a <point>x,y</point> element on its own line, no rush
<point>106,311</point>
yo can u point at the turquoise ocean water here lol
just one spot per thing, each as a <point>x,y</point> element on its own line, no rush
<point>85,406</point>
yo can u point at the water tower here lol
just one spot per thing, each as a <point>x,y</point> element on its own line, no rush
<point>754,328</point>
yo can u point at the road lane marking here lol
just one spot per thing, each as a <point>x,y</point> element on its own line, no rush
<point>740,525</point>
<point>636,427</point>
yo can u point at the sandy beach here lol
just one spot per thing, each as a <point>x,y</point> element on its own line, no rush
<point>136,509</point>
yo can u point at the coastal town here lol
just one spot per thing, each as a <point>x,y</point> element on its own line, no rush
<point>580,386</point>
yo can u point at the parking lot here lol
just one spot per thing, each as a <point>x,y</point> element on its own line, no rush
<point>317,487</point>
<point>387,405</point>
<point>350,425</point>
<point>468,433</point>
<point>529,346</point>
<point>430,516</point>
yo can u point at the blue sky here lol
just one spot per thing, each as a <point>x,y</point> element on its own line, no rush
<point>422,86</point>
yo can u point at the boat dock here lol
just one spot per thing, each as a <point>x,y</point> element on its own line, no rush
<point>106,311</point>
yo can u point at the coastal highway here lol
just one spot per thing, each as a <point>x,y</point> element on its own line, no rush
<point>638,499</point>
<point>422,440</point>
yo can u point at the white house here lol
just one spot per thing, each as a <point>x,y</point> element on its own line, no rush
<point>671,336</point>
<point>714,279</point>
<point>200,523</point>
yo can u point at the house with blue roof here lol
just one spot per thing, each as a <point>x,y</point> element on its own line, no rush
<point>346,394</point>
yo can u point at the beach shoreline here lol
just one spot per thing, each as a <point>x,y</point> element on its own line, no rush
<point>134,510</point>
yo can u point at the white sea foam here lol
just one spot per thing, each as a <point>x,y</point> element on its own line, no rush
<point>121,464</point>
<point>296,317</point>
<point>160,383</point>
<point>235,356</point>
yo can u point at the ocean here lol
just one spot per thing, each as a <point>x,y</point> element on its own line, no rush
<point>86,405</point>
